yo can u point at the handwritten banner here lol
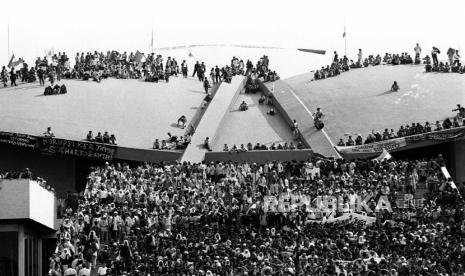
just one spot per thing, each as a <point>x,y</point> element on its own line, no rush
<point>374,147</point>
<point>20,140</point>
<point>76,148</point>
<point>439,136</point>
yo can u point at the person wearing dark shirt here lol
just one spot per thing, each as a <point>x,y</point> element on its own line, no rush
<point>90,136</point>
<point>206,85</point>
<point>156,144</point>
<point>113,139</point>
<point>217,74</point>
<point>172,138</point>
<point>196,68</point>
<point>40,74</point>
<point>106,137</point>
<point>13,77</point>
<point>206,144</point>
<point>350,142</point>
<point>359,140</point>
<point>395,87</point>
<point>99,138</point>
<point>243,106</point>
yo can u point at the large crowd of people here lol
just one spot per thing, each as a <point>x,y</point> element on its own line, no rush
<point>432,64</point>
<point>274,146</point>
<point>210,219</point>
<point>150,67</point>
<point>409,130</point>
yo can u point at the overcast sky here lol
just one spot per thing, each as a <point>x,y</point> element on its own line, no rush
<point>84,25</point>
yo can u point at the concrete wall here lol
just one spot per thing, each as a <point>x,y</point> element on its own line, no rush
<point>458,161</point>
<point>147,155</point>
<point>259,155</point>
<point>25,199</point>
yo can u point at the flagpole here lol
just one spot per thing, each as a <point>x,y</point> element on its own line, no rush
<point>8,42</point>
<point>345,38</point>
<point>152,39</point>
<point>152,35</point>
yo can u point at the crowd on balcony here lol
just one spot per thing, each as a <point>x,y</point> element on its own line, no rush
<point>209,219</point>
<point>408,130</point>
<point>274,146</point>
<point>24,174</point>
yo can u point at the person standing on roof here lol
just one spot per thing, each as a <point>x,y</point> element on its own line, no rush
<point>417,54</point>
<point>434,55</point>
<point>295,129</point>
<point>360,56</point>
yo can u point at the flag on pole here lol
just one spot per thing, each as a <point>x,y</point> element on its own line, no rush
<point>13,62</point>
<point>138,57</point>
<point>49,52</point>
<point>383,156</point>
<point>151,42</point>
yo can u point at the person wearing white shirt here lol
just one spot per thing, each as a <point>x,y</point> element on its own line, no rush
<point>84,271</point>
<point>102,271</point>
<point>417,54</point>
<point>360,56</point>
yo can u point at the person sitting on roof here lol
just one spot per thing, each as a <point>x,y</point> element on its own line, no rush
<point>317,119</point>
<point>49,133</point>
<point>249,146</point>
<point>446,124</point>
<point>386,134</point>
<point>370,139</point>
<point>106,137</point>
<point>243,149</point>
<point>243,106</point>
<point>292,146</point>
<point>225,147</point>
<point>392,134</point>
<point>350,142</point>
<point>172,138</point>
<point>182,120</point>
<point>395,87</point>
<point>446,68</point>
<point>164,146</point>
<point>273,146</point>
<point>156,144</point>
<point>272,112</point>
<point>206,144</point>
<point>90,136</point>
<point>455,123</point>
<point>358,140</point>
<point>257,147</point>
<point>99,138</point>
<point>280,147</point>
<point>341,143</point>
<point>233,148</point>
<point>113,139</point>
